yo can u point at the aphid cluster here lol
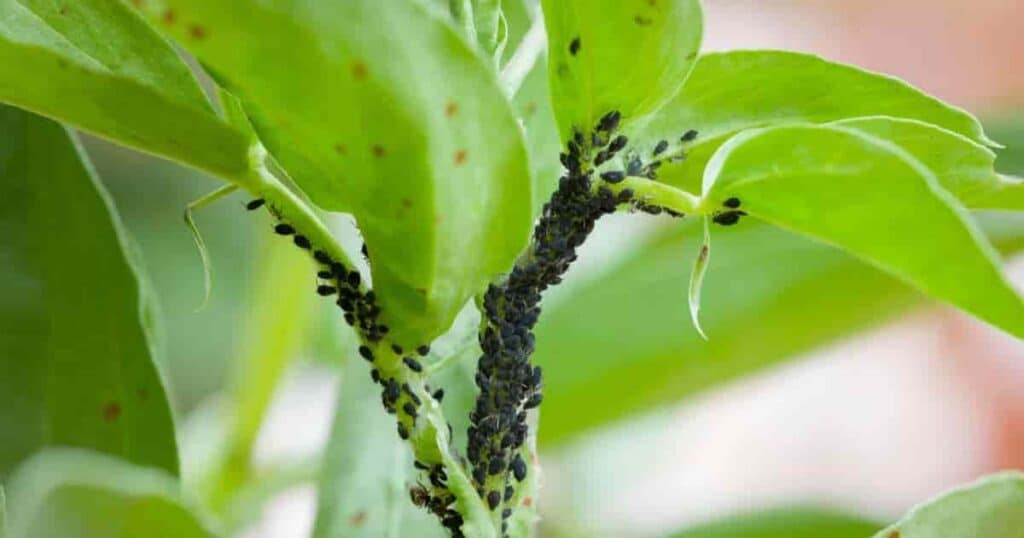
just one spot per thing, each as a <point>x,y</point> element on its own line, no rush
<point>362,313</point>
<point>731,215</point>
<point>509,384</point>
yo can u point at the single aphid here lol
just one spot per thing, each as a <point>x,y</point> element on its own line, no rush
<point>574,47</point>
<point>518,468</point>
<point>366,353</point>
<point>396,348</point>
<point>353,279</point>
<point>302,241</point>
<point>322,257</point>
<point>409,409</point>
<point>613,176</point>
<point>732,203</point>
<point>689,136</point>
<point>438,395</point>
<point>325,275</point>
<point>660,148</point>
<point>284,229</point>
<point>413,364</point>
<point>255,204</point>
<point>423,350</point>
<point>618,143</point>
<point>419,495</point>
<point>493,499</point>
<point>324,290</point>
<point>403,432</point>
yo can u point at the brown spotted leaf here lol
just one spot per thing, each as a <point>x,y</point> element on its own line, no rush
<point>381,109</point>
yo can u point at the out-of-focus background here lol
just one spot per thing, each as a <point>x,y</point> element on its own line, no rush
<point>773,410</point>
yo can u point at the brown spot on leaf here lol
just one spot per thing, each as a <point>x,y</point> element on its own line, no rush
<point>451,109</point>
<point>563,69</point>
<point>340,149</point>
<point>642,21</point>
<point>378,150</point>
<point>359,71</point>
<point>406,203</point>
<point>169,17</point>
<point>358,518</point>
<point>894,534</point>
<point>111,411</point>
<point>530,108</point>
<point>197,32</point>
<point>528,501</point>
<point>460,157</point>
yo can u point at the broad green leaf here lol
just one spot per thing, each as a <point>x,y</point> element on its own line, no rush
<point>769,295</point>
<point>962,166</point>
<point>76,362</point>
<point>76,493</point>
<point>364,488</point>
<point>992,506</point>
<point>732,91</point>
<point>411,135</point>
<point>97,65</point>
<point>785,523</point>
<point>872,199</point>
<point>625,55</point>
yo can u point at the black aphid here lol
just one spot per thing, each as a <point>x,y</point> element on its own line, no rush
<point>493,499</point>
<point>614,176</point>
<point>255,204</point>
<point>518,468</point>
<point>728,218</point>
<point>302,241</point>
<point>409,409</point>
<point>574,47</point>
<point>396,348</point>
<point>365,353</point>
<point>618,143</point>
<point>413,364</point>
<point>284,229</point>
<point>438,395</point>
<point>353,279</point>
<point>324,290</point>
<point>423,350</point>
<point>403,432</point>
<point>689,136</point>
<point>610,121</point>
<point>322,257</point>
<point>732,203</point>
<point>325,274</point>
<point>660,148</point>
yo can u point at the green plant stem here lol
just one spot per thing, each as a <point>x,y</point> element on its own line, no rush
<point>429,438</point>
<point>525,56</point>
<point>660,194</point>
<point>462,14</point>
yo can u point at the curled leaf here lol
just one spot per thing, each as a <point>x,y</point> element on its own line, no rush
<point>700,268</point>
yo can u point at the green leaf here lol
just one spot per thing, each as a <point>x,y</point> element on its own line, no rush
<point>992,506</point>
<point>872,199</point>
<point>411,135</point>
<point>96,65</point>
<point>785,523</point>
<point>534,108</point>
<point>733,91</point>
<point>77,364</point>
<point>625,55</point>
<point>769,296</point>
<point>76,493</point>
<point>363,490</point>
<point>963,167</point>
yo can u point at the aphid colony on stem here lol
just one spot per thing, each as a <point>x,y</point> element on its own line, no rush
<point>509,384</point>
<point>391,367</point>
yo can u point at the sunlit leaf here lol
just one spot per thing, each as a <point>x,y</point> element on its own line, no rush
<point>992,506</point>
<point>732,91</point>
<point>626,55</point>
<point>963,167</point>
<point>412,135</point>
<point>872,199</point>
<point>785,523</point>
<point>77,493</point>
<point>98,66</point>
<point>76,366</point>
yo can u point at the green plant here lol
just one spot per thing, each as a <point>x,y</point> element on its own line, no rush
<point>446,148</point>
